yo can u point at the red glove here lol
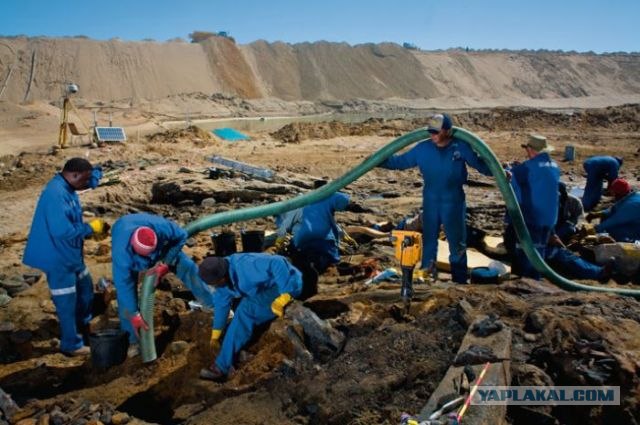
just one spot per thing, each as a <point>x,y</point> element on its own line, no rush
<point>159,270</point>
<point>138,322</point>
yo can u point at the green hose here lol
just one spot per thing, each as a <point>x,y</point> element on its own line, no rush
<point>372,161</point>
<point>147,301</point>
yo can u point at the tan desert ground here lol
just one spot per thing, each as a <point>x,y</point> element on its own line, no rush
<point>312,111</point>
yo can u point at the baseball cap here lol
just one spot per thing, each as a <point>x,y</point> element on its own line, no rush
<point>538,143</point>
<point>439,122</point>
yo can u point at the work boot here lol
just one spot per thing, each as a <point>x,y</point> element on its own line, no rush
<point>607,270</point>
<point>212,373</point>
<point>82,351</point>
<point>133,350</point>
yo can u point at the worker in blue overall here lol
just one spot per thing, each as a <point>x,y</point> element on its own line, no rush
<point>622,220</point>
<point>138,242</point>
<point>598,168</point>
<point>316,238</point>
<point>260,286</point>
<point>55,246</point>
<point>535,183</point>
<point>442,161</point>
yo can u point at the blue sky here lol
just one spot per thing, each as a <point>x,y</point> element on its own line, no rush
<point>582,25</point>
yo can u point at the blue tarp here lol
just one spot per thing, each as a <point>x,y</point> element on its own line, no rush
<point>229,134</point>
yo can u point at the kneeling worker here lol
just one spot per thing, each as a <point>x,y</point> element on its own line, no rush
<point>262,285</point>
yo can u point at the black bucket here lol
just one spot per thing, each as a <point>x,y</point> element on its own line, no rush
<point>252,240</point>
<point>108,347</point>
<point>224,243</point>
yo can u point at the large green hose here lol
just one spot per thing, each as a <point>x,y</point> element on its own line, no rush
<point>372,161</point>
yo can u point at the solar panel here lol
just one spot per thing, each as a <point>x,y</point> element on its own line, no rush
<point>110,134</point>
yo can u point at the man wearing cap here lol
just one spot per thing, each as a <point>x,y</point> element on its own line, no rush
<point>55,245</point>
<point>138,242</point>
<point>622,221</point>
<point>535,183</point>
<point>598,168</point>
<point>261,285</point>
<point>442,161</point>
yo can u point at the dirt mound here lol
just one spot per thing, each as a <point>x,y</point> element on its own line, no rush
<point>113,70</point>
<point>619,118</point>
<point>297,132</point>
<point>191,134</point>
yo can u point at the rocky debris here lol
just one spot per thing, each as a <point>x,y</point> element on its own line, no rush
<point>487,326</point>
<point>475,354</point>
<point>73,411</point>
<point>193,191</point>
<point>323,340</point>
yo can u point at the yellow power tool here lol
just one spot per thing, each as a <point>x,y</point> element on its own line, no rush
<point>408,251</point>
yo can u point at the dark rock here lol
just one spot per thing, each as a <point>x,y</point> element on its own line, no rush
<point>32,276</point>
<point>487,326</point>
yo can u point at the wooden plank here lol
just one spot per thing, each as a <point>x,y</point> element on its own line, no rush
<point>499,373</point>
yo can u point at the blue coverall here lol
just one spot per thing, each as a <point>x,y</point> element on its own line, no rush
<point>256,280</point>
<point>126,263</point>
<point>597,168</point>
<point>55,246</point>
<point>535,183</point>
<point>444,171</point>
<point>317,235</point>
<point>622,220</point>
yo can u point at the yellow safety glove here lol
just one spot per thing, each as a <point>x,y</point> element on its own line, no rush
<point>589,229</point>
<point>349,240</point>
<point>97,225</point>
<point>278,305</point>
<point>214,342</point>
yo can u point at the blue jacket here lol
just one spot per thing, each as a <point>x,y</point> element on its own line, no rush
<point>250,274</point>
<point>57,232</point>
<point>444,170</point>
<point>605,167</point>
<point>318,230</point>
<point>622,221</point>
<point>535,183</point>
<point>126,264</point>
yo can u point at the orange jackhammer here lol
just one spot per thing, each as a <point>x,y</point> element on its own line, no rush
<point>408,251</point>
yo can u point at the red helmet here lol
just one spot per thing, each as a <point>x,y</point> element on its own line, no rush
<point>619,188</point>
<point>144,241</point>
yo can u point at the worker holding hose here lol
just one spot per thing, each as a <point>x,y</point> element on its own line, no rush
<point>139,241</point>
<point>260,285</point>
<point>442,161</point>
<point>535,183</point>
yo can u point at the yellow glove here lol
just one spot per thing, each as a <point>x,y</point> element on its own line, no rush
<point>214,342</point>
<point>97,225</point>
<point>349,240</point>
<point>278,305</point>
<point>589,229</point>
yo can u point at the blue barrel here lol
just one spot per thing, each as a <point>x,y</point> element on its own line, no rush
<point>569,153</point>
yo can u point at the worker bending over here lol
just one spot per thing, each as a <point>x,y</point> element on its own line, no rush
<point>139,241</point>
<point>598,168</point>
<point>55,246</point>
<point>316,238</point>
<point>622,220</point>
<point>260,285</point>
<point>442,161</point>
